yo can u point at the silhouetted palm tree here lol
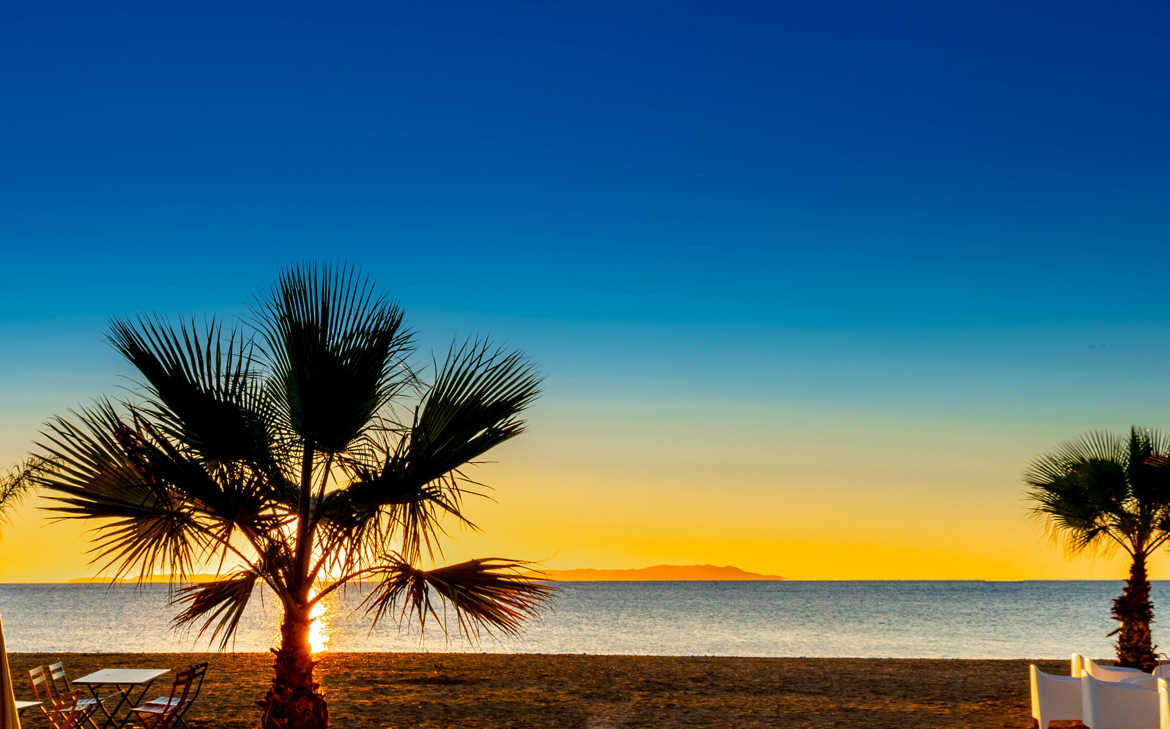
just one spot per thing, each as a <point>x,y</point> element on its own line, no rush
<point>14,485</point>
<point>311,459</point>
<point>1108,491</point>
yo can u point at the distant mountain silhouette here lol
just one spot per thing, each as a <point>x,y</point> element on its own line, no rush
<point>660,572</point>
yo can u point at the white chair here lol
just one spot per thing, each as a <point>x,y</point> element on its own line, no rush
<point>1054,698</point>
<point>1118,705</point>
<point>1163,705</point>
<point>1111,673</point>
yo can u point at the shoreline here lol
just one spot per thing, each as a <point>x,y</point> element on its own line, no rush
<point>563,691</point>
<point>534,654</point>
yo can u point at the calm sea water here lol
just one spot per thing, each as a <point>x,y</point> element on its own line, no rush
<point>864,619</point>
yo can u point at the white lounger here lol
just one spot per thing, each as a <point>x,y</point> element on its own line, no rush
<point>1118,705</point>
<point>1163,705</point>
<point>1054,698</point>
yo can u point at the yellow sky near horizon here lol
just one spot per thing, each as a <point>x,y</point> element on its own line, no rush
<point>798,511</point>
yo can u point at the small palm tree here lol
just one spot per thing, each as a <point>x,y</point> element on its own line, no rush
<point>14,486</point>
<point>302,457</point>
<point>1109,491</point>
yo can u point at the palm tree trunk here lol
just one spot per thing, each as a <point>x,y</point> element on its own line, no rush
<point>1134,613</point>
<point>293,701</point>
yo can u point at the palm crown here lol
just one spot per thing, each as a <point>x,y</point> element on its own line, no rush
<point>1106,490</point>
<point>303,458</point>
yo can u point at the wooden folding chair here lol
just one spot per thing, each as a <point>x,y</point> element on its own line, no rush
<point>166,712</point>
<point>61,685</point>
<point>59,708</point>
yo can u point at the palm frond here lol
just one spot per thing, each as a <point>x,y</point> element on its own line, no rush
<point>1148,468</point>
<point>337,352</point>
<point>100,468</point>
<point>383,503</point>
<point>202,385</point>
<point>219,604</point>
<point>473,406</point>
<point>486,595</point>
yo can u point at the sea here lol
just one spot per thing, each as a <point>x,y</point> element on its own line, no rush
<point>789,618</point>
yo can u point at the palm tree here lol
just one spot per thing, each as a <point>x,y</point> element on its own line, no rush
<point>302,455</point>
<point>14,486</point>
<point>1108,491</point>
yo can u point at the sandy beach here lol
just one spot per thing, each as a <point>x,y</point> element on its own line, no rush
<point>367,690</point>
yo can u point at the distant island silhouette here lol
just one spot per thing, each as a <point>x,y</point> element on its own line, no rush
<point>655,573</point>
<point>659,572</point>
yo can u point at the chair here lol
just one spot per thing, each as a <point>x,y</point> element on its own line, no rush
<point>1054,698</point>
<point>1076,665</point>
<point>1118,705</point>
<point>166,712</point>
<point>59,682</point>
<point>60,709</point>
<point>1112,673</point>
<point>1163,705</point>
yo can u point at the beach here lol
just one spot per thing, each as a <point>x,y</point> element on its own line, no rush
<point>433,690</point>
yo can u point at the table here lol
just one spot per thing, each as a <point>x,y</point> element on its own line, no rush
<point>22,705</point>
<point>124,680</point>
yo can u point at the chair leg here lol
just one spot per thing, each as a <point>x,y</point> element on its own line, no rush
<point>55,720</point>
<point>149,721</point>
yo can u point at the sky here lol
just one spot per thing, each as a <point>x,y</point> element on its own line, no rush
<point>809,284</point>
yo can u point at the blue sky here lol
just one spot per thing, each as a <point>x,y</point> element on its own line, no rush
<point>699,218</point>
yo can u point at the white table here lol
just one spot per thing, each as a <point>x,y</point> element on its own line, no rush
<point>22,705</point>
<point>124,680</point>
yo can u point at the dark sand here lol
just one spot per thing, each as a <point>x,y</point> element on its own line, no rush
<point>603,692</point>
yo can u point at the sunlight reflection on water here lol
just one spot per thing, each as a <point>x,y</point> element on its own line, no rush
<point>319,628</point>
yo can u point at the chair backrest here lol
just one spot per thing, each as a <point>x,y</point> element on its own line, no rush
<point>199,670</point>
<point>1054,698</point>
<point>58,678</point>
<point>59,707</point>
<point>1110,673</point>
<point>42,688</point>
<point>1117,705</point>
<point>187,684</point>
<point>1076,664</point>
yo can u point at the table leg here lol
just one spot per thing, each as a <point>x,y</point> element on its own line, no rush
<point>110,721</point>
<point>132,702</point>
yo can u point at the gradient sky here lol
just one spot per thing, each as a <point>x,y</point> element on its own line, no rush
<point>810,283</point>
